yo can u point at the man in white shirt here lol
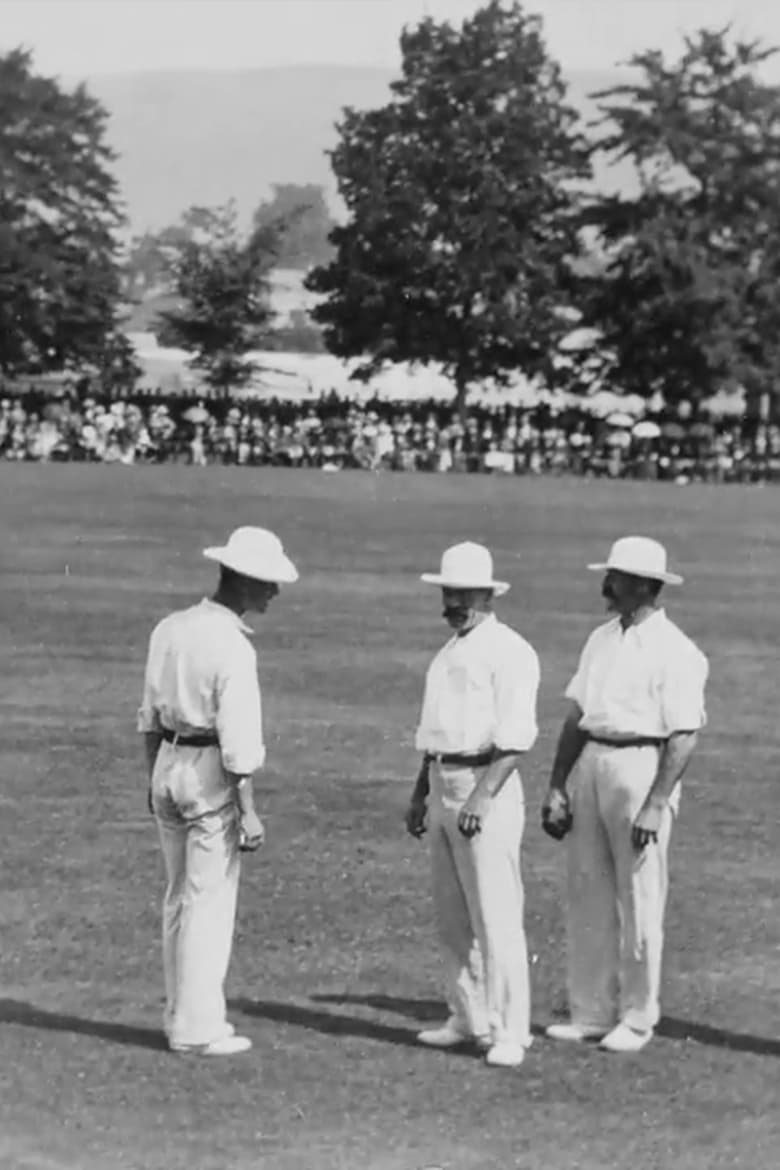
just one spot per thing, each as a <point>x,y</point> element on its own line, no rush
<point>201,717</point>
<point>478,718</point>
<point>636,704</point>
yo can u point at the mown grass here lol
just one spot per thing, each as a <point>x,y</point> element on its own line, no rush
<point>335,962</point>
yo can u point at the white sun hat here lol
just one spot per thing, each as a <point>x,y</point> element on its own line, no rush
<point>257,553</point>
<point>641,557</point>
<point>466,566</point>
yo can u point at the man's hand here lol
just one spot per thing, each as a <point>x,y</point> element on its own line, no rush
<point>415,817</point>
<point>647,825</point>
<point>471,817</point>
<point>251,833</point>
<point>556,814</point>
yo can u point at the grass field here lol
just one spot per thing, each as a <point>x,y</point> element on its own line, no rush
<point>335,964</point>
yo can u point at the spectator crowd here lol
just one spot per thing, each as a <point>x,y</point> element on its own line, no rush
<point>333,433</point>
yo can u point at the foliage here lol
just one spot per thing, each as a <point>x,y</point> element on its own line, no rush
<point>461,201</point>
<point>148,264</point>
<point>221,279</point>
<point>118,370</point>
<point>690,300</point>
<point>305,222</point>
<point>59,215</point>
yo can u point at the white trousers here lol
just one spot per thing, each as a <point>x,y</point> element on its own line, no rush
<point>479,904</point>
<point>616,895</point>
<point>198,827</point>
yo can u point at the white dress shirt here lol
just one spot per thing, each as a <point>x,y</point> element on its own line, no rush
<point>201,675</point>
<point>480,692</point>
<point>647,680</point>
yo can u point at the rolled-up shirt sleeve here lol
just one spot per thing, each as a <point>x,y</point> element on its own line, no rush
<point>420,735</point>
<point>577,688</point>
<point>682,692</point>
<point>148,719</point>
<point>423,733</point>
<point>515,686</point>
<point>239,713</point>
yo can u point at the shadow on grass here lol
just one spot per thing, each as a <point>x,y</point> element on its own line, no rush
<point>13,1011</point>
<point>422,1010</point>
<point>331,1024</point>
<point>425,1010</point>
<point>675,1029</point>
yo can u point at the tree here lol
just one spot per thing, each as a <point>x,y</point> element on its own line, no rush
<point>148,265</point>
<point>690,299</point>
<point>118,369</point>
<point>221,280</point>
<point>303,211</point>
<point>461,203</point>
<point>59,216</point>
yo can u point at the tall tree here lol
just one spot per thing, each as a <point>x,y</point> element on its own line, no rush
<point>307,222</point>
<point>221,280</point>
<point>148,264</point>
<point>690,299</point>
<point>460,197</point>
<point>59,215</point>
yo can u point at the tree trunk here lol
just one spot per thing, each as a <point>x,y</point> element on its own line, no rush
<point>461,390</point>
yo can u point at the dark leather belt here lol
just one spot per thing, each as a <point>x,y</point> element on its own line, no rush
<point>207,739</point>
<point>463,759</point>
<point>637,741</point>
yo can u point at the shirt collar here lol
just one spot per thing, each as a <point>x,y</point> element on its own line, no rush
<point>488,621</point>
<point>646,630</point>
<point>218,607</point>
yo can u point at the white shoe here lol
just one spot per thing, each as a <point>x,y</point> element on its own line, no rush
<point>229,1031</point>
<point>574,1033</point>
<point>505,1054</point>
<point>226,1046</point>
<point>626,1039</point>
<point>446,1036</point>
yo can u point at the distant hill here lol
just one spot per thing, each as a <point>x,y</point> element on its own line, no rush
<point>202,137</point>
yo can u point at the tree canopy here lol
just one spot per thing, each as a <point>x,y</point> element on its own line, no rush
<point>221,281</point>
<point>471,237</point>
<point>689,301</point>
<point>59,215</point>
<point>305,222</point>
<point>461,206</point>
<point>148,263</point>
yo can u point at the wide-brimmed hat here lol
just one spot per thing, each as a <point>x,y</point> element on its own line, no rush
<point>257,553</point>
<point>641,557</point>
<point>466,566</point>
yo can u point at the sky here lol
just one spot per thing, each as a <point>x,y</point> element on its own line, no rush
<point>79,38</point>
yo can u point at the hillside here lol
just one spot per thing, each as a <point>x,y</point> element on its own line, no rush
<point>206,136</point>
